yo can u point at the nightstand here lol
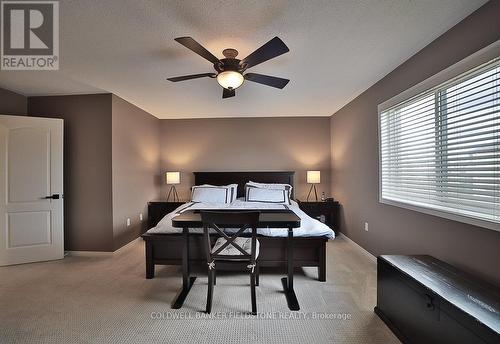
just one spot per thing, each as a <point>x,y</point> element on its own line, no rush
<point>158,209</point>
<point>326,212</point>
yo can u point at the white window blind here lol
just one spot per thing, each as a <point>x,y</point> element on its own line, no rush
<point>440,149</point>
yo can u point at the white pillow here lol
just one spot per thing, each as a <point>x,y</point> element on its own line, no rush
<point>274,186</point>
<point>233,187</point>
<point>214,194</point>
<point>270,185</point>
<point>266,195</point>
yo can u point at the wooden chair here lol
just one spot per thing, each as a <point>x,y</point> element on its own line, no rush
<point>231,248</point>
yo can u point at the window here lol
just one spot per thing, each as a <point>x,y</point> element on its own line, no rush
<point>440,148</point>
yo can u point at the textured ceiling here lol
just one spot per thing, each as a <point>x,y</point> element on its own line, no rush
<point>338,48</point>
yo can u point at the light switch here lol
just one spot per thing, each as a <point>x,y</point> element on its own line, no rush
<point>128,221</point>
<point>366,226</point>
<point>140,216</point>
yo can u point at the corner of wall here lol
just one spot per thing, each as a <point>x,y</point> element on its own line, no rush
<point>135,141</point>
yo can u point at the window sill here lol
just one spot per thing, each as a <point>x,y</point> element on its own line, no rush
<point>443,214</point>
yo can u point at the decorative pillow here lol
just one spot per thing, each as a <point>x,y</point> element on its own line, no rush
<point>274,186</point>
<point>214,194</point>
<point>267,195</point>
<point>271,186</point>
<point>233,190</point>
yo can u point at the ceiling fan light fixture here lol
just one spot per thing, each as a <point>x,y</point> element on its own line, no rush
<point>230,80</point>
<point>229,70</point>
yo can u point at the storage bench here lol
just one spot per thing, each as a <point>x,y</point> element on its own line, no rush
<point>424,300</point>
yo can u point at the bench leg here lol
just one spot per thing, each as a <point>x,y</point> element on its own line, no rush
<point>322,263</point>
<point>150,266</point>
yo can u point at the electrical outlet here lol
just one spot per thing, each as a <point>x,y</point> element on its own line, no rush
<point>366,226</point>
<point>128,221</point>
<point>140,216</point>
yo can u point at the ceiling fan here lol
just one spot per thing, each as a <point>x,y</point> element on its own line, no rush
<point>229,70</point>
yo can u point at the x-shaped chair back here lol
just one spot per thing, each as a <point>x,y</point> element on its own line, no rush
<point>229,219</point>
<point>217,220</point>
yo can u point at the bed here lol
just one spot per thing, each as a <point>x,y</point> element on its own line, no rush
<point>164,242</point>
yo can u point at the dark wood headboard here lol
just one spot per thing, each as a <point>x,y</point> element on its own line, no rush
<point>241,178</point>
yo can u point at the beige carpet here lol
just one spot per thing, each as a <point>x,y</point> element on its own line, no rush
<point>106,299</point>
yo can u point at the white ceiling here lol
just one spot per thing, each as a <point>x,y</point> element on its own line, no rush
<point>338,48</point>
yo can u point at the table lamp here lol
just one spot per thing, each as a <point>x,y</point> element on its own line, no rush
<point>173,178</point>
<point>313,178</point>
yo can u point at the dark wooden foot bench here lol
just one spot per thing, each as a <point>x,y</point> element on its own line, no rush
<point>166,249</point>
<point>424,300</point>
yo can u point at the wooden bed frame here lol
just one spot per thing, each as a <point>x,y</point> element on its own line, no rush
<point>166,249</point>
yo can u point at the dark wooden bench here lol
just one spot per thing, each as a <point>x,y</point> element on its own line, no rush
<point>424,300</point>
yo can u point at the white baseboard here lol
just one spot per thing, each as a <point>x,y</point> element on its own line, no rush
<point>359,248</point>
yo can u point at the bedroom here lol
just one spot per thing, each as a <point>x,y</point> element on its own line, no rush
<point>119,126</point>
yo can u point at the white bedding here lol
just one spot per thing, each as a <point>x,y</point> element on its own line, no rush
<point>308,226</point>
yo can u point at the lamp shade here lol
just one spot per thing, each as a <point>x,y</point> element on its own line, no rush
<point>313,177</point>
<point>230,79</point>
<point>173,177</point>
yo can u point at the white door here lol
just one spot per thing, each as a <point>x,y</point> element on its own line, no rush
<point>31,189</point>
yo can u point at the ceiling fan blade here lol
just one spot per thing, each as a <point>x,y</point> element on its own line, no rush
<point>192,76</point>
<point>228,93</point>
<point>191,44</point>
<point>275,47</point>
<point>267,80</point>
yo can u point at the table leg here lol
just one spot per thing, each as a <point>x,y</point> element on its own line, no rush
<point>187,281</point>
<point>287,282</point>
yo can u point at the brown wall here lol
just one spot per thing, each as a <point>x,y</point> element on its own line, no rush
<point>12,103</point>
<point>247,144</point>
<point>395,230</point>
<point>111,162</point>
<point>136,168</point>
<point>88,216</point>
